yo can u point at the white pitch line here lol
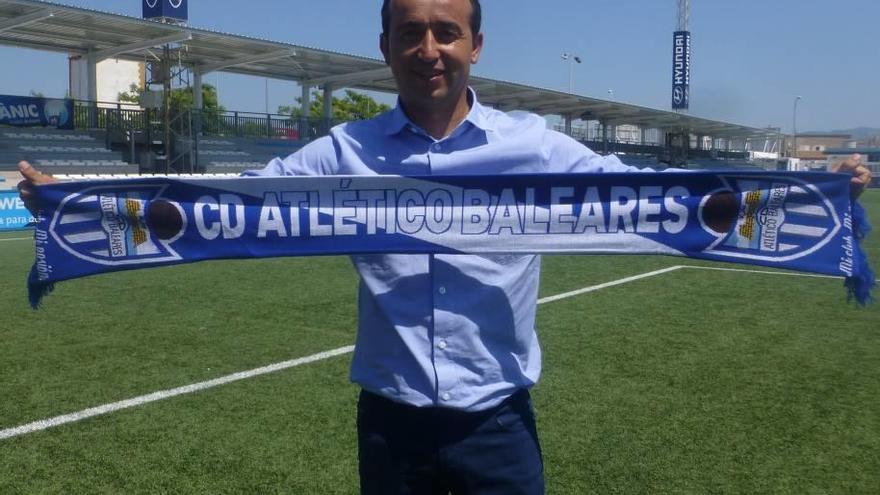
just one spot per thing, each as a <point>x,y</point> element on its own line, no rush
<point>17,239</point>
<point>196,387</point>
<point>166,394</point>
<point>607,284</point>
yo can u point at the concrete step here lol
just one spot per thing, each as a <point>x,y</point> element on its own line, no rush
<point>243,165</point>
<point>64,149</point>
<point>67,136</point>
<point>80,163</point>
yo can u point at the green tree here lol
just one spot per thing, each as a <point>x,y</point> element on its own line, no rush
<point>354,106</point>
<point>133,95</point>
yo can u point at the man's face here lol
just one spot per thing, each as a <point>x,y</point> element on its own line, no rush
<point>430,47</point>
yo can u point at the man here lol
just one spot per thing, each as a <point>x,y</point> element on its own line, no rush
<point>446,348</point>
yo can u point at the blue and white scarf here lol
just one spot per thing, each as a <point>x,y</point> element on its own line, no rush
<point>799,221</point>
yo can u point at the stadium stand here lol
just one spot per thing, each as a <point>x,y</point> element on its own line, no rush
<point>714,165</point>
<point>68,152</point>
<point>642,161</point>
<point>57,151</point>
<point>720,165</point>
<point>230,155</point>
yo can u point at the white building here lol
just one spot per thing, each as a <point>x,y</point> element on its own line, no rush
<point>114,76</point>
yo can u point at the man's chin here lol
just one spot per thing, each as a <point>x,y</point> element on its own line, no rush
<point>429,97</point>
<point>435,90</point>
<point>432,98</point>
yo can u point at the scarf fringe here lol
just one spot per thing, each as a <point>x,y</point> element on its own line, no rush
<point>38,290</point>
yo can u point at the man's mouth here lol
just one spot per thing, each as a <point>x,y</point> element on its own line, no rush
<point>430,76</point>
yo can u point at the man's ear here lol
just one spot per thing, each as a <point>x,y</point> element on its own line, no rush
<point>478,48</point>
<point>383,46</point>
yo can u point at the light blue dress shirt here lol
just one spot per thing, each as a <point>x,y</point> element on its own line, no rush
<point>455,331</point>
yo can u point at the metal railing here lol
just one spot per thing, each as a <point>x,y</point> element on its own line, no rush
<point>248,124</point>
<point>128,117</point>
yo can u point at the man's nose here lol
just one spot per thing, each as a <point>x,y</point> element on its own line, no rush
<point>428,48</point>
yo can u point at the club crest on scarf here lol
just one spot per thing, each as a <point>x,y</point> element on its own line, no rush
<point>770,219</point>
<point>119,225</point>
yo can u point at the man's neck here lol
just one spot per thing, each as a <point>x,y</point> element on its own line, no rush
<point>438,121</point>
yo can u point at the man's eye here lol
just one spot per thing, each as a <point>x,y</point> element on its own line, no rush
<point>446,36</point>
<point>410,35</point>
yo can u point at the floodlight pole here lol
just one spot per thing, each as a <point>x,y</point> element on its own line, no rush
<point>684,14</point>
<point>571,58</point>
<point>684,19</point>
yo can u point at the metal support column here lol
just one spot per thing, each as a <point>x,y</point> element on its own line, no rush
<point>196,118</point>
<point>328,107</point>
<point>604,138</point>
<point>92,85</point>
<point>305,109</point>
<point>197,90</point>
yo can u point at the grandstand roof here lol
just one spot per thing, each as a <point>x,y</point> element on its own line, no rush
<point>53,26</point>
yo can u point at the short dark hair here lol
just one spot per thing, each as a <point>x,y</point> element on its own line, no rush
<point>476,16</point>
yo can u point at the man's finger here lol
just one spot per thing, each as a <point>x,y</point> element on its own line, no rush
<point>33,175</point>
<point>28,171</point>
<point>862,176</point>
<point>28,195</point>
<point>851,163</point>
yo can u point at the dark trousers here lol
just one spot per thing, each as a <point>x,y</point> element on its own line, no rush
<point>409,450</point>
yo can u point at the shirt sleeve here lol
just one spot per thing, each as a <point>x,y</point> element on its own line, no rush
<point>562,154</point>
<point>316,158</point>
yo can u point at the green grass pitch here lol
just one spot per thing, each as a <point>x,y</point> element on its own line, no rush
<point>693,381</point>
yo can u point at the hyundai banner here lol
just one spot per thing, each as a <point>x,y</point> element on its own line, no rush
<point>681,70</point>
<point>169,9</point>
<point>29,111</point>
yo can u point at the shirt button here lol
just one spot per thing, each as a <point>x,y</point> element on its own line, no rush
<point>445,396</point>
<point>442,344</point>
<point>437,146</point>
<point>442,290</point>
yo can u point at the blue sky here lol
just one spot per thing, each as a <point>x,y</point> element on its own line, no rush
<point>750,57</point>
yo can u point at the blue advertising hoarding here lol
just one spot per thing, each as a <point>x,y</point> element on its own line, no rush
<point>13,214</point>
<point>29,111</point>
<point>681,70</point>
<point>170,9</point>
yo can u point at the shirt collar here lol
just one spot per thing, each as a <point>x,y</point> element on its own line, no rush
<point>477,116</point>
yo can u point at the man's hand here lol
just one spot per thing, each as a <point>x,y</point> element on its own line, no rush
<point>861,175</point>
<point>32,178</point>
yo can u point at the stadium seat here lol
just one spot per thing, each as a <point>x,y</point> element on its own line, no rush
<point>59,150</point>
